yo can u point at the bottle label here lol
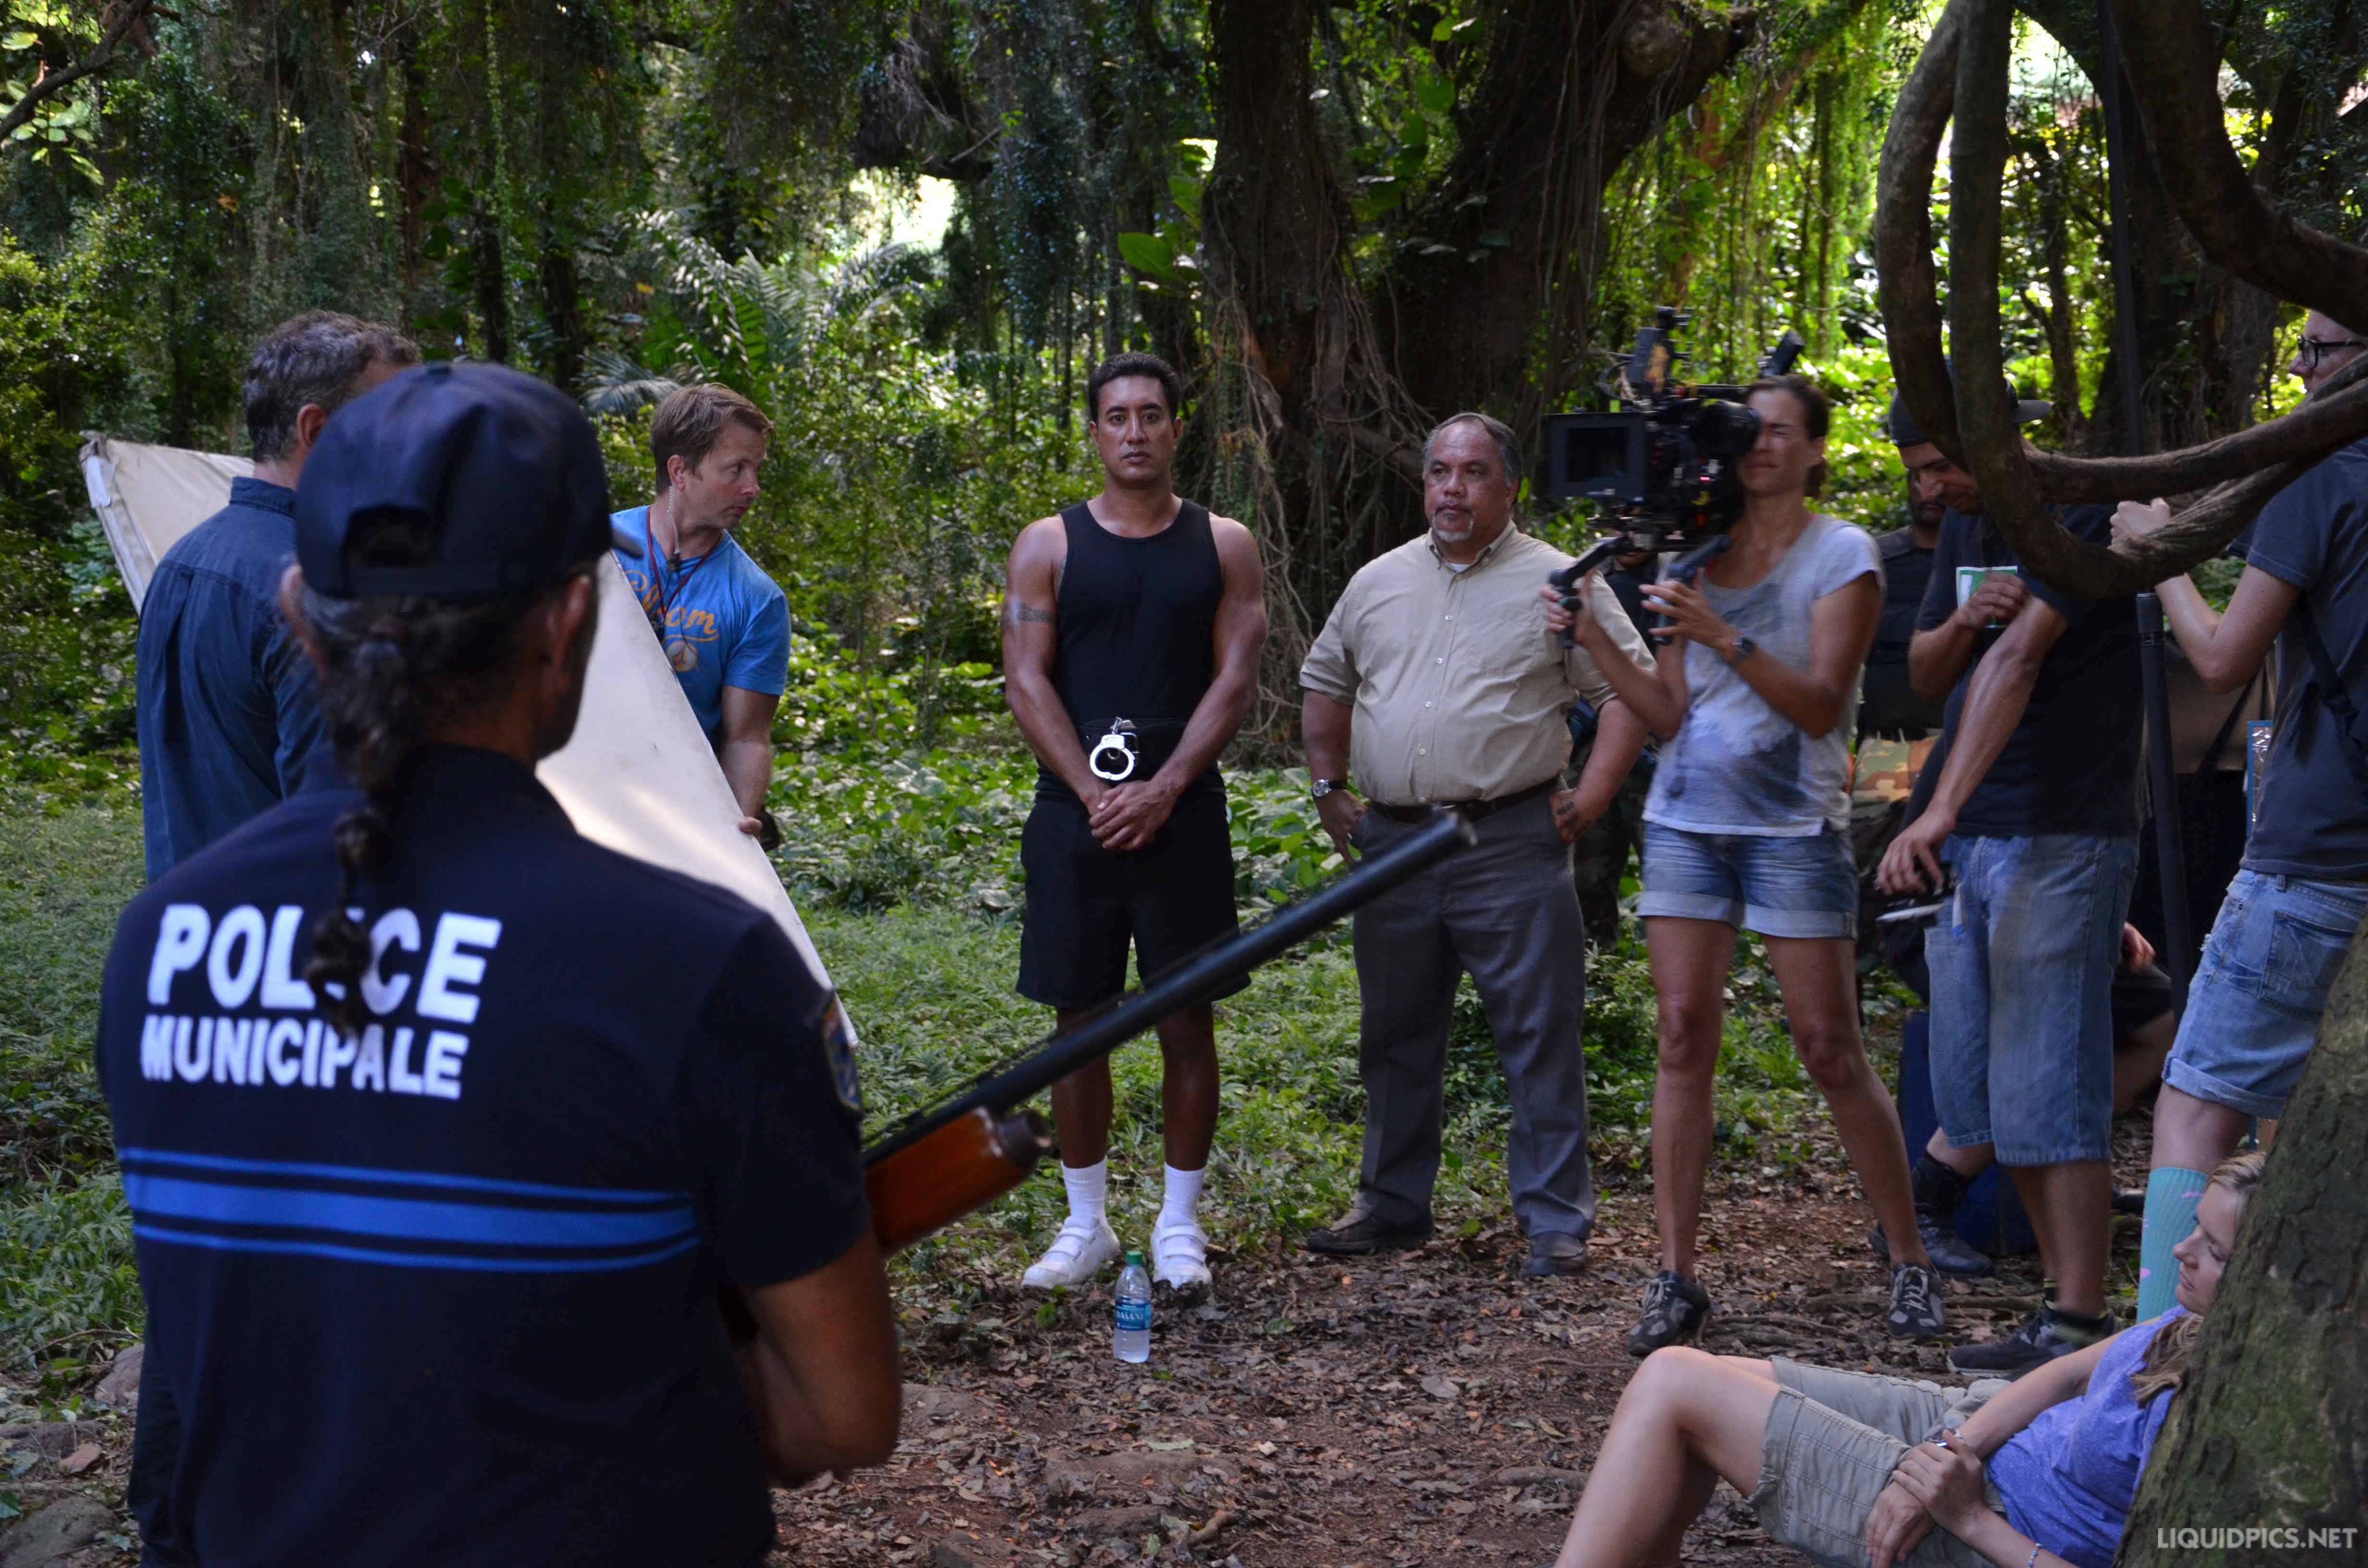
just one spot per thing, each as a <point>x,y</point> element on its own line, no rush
<point>1134,1314</point>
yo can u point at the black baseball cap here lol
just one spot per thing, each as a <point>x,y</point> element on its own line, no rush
<point>505,468</point>
<point>1905,432</point>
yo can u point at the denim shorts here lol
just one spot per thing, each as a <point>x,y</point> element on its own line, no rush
<point>1802,886</point>
<point>2253,1009</point>
<point>2023,959</point>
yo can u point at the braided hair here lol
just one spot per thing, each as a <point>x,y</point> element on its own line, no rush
<point>393,669</point>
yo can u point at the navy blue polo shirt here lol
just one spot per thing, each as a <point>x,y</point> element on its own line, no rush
<point>227,705</point>
<point>2071,764</point>
<point>444,1291</point>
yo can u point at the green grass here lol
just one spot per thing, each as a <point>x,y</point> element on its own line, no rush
<point>66,1279</point>
<point>926,964</point>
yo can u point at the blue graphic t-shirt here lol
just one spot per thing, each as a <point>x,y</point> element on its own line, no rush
<point>724,621</point>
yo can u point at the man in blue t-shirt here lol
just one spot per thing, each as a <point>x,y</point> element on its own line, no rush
<point>724,624</point>
<point>226,714</point>
<point>2035,812</point>
<point>2302,887</point>
<point>496,1195</point>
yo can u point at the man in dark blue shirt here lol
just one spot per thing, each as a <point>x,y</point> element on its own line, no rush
<point>2035,812</point>
<point>446,1131</point>
<point>225,705</point>
<point>2301,891</point>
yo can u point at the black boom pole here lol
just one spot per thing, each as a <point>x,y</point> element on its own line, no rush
<point>2162,776</point>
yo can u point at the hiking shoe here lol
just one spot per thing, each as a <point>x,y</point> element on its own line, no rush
<point>1675,1308</point>
<point>1915,1306</point>
<point>1076,1255</point>
<point>1950,1252</point>
<point>1554,1253</point>
<point>1361,1232</point>
<point>2035,1344</point>
<point>1179,1261</point>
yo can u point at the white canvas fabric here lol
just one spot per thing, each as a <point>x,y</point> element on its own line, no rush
<point>638,776</point>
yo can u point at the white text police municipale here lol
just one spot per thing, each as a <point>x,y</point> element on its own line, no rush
<point>246,959</point>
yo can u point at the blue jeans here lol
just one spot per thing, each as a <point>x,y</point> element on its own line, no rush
<point>2022,961</point>
<point>2253,1010</point>
<point>1794,886</point>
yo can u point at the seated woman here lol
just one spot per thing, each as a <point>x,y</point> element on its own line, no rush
<point>1855,1468</point>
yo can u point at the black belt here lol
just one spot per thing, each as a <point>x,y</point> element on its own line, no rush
<point>1471,810</point>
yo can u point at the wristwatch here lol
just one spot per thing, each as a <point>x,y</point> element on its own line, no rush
<point>1323,787</point>
<point>1744,648</point>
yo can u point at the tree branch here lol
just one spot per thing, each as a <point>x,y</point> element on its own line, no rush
<point>49,84</point>
<point>2168,50</point>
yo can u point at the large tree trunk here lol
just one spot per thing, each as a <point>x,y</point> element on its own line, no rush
<point>1569,91</point>
<point>2270,1431</point>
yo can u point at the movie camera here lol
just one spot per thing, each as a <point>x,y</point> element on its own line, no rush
<point>1662,467</point>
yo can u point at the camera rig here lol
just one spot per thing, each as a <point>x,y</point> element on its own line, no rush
<point>1663,466</point>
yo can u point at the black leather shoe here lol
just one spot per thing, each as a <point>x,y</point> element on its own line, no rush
<point>1554,1253</point>
<point>1360,1231</point>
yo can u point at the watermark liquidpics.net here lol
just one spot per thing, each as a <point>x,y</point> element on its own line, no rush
<point>2271,1538</point>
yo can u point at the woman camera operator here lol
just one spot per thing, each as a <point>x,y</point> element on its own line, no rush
<point>1746,827</point>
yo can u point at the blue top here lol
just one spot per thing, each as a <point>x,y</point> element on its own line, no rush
<point>2071,765</point>
<point>2313,820</point>
<point>444,1291</point>
<point>725,622</point>
<point>2067,1479</point>
<point>227,710</point>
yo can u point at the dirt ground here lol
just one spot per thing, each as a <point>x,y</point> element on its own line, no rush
<point>1429,1407</point>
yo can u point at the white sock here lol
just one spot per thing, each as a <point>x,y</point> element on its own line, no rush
<point>1089,1194</point>
<point>1181,1196</point>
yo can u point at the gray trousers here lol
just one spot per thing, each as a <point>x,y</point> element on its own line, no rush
<point>1505,912</point>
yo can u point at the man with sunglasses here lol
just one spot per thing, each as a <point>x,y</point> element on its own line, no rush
<point>2253,1009</point>
<point>724,623</point>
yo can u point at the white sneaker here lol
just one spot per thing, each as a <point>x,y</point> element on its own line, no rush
<point>1179,1259</point>
<point>1075,1255</point>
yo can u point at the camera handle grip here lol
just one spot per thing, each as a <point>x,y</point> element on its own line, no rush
<point>1571,577</point>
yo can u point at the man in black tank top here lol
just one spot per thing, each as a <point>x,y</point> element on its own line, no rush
<point>1132,628</point>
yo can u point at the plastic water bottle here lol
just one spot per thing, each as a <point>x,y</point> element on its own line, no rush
<point>1132,1342</point>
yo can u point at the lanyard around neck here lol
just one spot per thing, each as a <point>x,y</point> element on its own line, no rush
<point>664,594</point>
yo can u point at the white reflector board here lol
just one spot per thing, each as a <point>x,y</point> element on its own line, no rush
<point>639,775</point>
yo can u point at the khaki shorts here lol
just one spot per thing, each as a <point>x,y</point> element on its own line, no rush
<point>1833,1439</point>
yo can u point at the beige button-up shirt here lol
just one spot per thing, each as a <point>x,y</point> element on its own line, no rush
<point>1459,690</point>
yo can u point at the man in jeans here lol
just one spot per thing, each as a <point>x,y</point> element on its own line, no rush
<point>2035,811</point>
<point>2300,894</point>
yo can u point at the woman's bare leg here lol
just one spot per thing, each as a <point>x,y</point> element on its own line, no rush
<point>1687,1419</point>
<point>1690,959</point>
<point>1819,981</point>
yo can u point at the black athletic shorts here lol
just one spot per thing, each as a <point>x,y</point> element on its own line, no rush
<point>1085,902</point>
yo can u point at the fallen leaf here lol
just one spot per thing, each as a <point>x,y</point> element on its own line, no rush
<point>1439,1386</point>
<point>81,1460</point>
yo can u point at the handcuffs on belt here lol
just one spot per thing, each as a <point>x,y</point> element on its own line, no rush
<point>1118,746</point>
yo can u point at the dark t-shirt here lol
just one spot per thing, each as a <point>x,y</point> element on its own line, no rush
<point>1891,705</point>
<point>2071,764</point>
<point>227,706</point>
<point>2312,816</point>
<point>445,1291</point>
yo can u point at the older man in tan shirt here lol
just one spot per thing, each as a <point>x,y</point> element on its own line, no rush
<point>1435,683</point>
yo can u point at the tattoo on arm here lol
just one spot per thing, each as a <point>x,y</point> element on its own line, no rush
<point>1018,614</point>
